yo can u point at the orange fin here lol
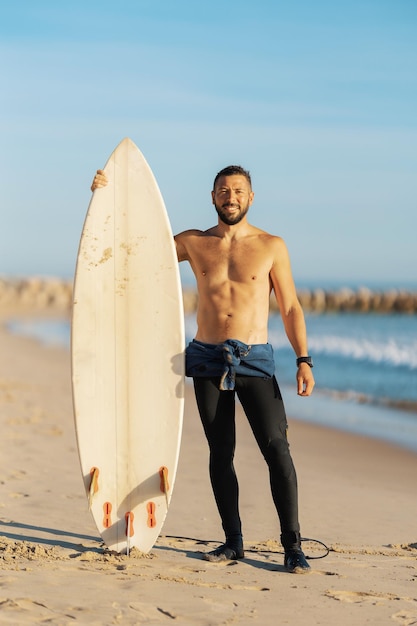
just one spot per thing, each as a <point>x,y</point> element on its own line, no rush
<point>107,507</point>
<point>151,514</point>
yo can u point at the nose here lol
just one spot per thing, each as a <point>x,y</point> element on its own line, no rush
<point>231,196</point>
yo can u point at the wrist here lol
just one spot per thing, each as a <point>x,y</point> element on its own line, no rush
<point>304,359</point>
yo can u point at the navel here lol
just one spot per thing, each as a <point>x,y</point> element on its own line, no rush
<point>204,273</point>
<point>254,277</point>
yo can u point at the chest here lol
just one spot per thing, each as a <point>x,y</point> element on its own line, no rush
<point>237,261</point>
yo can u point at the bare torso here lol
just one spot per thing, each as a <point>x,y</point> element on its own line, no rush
<point>233,280</point>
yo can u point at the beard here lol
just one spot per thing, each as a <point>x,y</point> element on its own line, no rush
<point>233,219</point>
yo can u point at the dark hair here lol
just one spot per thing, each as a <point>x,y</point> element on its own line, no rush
<point>233,170</point>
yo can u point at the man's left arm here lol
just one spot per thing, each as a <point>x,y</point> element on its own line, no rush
<point>291,313</point>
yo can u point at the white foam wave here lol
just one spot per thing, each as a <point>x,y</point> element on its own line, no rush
<point>390,351</point>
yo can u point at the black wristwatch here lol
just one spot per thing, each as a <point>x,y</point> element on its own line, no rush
<point>304,359</point>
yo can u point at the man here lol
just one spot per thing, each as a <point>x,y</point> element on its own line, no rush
<point>236,266</point>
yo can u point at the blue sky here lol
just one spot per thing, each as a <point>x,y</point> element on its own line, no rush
<point>317,99</point>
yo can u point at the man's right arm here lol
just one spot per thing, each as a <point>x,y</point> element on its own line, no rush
<point>181,250</point>
<point>186,242</point>
<point>181,244</point>
<point>100,180</point>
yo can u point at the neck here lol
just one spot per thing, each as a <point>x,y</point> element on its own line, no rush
<point>232,231</point>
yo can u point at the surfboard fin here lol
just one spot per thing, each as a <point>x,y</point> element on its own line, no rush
<point>107,509</point>
<point>163,472</point>
<point>130,531</point>
<point>151,508</point>
<point>94,472</point>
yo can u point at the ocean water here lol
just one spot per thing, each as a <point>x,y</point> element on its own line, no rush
<point>365,368</point>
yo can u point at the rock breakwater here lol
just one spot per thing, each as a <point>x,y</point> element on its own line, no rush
<point>362,300</point>
<point>34,294</point>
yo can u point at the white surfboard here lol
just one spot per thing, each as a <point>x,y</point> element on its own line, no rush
<point>127,346</point>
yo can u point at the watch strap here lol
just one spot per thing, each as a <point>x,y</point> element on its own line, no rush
<point>304,359</point>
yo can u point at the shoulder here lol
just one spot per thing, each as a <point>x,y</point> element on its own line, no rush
<point>187,234</point>
<point>273,242</point>
<point>194,234</point>
<point>184,241</point>
<point>277,251</point>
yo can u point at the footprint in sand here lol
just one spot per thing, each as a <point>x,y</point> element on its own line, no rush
<point>17,474</point>
<point>355,597</point>
<point>150,612</point>
<point>405,618</point>
<point>27,611</point>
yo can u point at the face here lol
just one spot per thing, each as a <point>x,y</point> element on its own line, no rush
<point>232,198</point>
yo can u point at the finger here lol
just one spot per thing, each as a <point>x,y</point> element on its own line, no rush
<point>305,386</point>
<point>99,181</point>
<point>308,388</point>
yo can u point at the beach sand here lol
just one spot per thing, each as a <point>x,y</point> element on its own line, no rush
<point>357,495</point>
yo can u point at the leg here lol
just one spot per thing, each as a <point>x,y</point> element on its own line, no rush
<point>217,412</point>
<point>264,408</point>
<point>262,402</point>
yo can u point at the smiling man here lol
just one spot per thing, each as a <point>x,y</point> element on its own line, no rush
<point>236,266</point>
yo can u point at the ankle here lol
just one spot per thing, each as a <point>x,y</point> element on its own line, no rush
<point>291,540</point>
<point>234,541</point>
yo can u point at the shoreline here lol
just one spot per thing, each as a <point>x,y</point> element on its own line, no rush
<point>357,495</point>
<point>391,422</point>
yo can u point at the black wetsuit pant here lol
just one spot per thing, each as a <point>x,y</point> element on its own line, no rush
<point>262,402</point>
